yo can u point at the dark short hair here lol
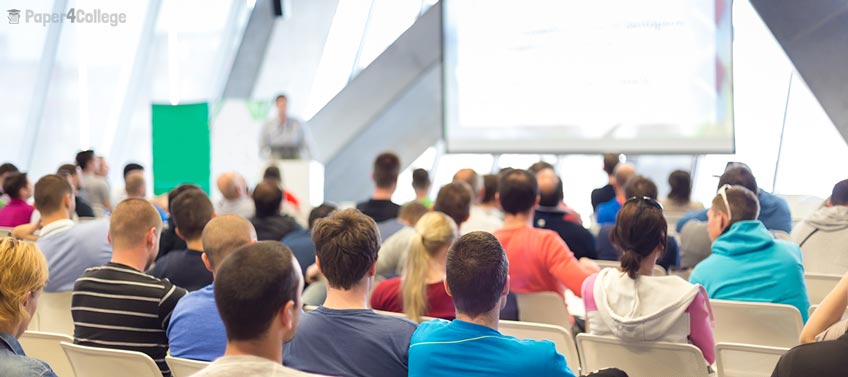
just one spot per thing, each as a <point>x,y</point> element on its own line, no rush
<point>386,169</point>
<point>640,186</point>
<point>50,190</point>
<point>420,179</point>
<point>454,200</point>
<point>739,176</point>
<point>839,196</point>
<point>191,210</point>
<point>518,190</point>
<point>553,196</point>
<point>477,270</point>
<point>346,245</point>
<point>539,166</point>
<point>744,204</point>
<point>680,182</point>
<point>280,96</point>
<point>267,198</point>
<point>132,166</point>
<point>179,190</point>
<point>320,212</point>
<point>67,170</point>
<point>611,160</point>
<point>7,167</point>
<point>13,183</point>
<point>252,285</point>
<point>272,173</point>
<point>640,227</point>
<point>490,187</point>
<point>84,157</point>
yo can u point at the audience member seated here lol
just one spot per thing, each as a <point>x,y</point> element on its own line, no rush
<point>300,241</point>
<point>606,193</point>
<point>421,290</point>
<point>824,341</point>
<point>774,211</point>
<point>605,214</point>
<point>421,184</point>
<point>196,331</point>
<point>489,201</point>
<point>637,187</point>
<point>477,278</point>
<point>70,248</point>
<point>454,200</point>
<point>679,202</point>
<point>119,306</point>
<point>482,218</point>
<point>5,169</point>
<point>343,337</point>
<point>93,188</point>
<point>257,293</point>
<point>135,186</point>
<point>380,206</point>
<point>21,283</point>
<point>539,259</point>
<point>272,174</point>
<point>407,217</point>
<point>270,223</point>
<point>71,172</point>
<point>17,211</point>
<point>632,305</point>
<point>823,236</point>
<point>549,215</point>
<point>546,172</point>
<point>747,263</point>
<point>191,211</point>
<point>392,256</point>
<point>170,240</point>
<point>235,199</point>
<point>131,169</point>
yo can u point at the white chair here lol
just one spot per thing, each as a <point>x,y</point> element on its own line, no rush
<point>640,359</point>
<point>54,313</point>
<point>658,270</point>
<point>47,347</point>
<point>560,336</point>
<point>106,362</point>
<point>745,360</point>
<point>543,307</point>
<point>5,232</point>
<point>756,323</point>
<point>184,367</point>
<point>819,285</point>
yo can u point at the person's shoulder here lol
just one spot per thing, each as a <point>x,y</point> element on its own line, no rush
<point>426,330</point>
<point>25,366</point>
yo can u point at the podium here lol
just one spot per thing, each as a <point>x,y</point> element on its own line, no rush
<point>304,179</point>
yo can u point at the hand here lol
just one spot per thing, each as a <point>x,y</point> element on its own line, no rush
<point>590,264</point>
<point>312,274</point>
<point>26,231</point>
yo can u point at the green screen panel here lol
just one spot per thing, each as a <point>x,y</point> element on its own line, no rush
<point>181,146</point>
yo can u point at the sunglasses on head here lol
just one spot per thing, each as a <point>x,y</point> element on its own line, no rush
<point>723,192</point>
<point>649,200</point>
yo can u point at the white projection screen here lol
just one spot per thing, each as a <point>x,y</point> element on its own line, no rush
<point>564,76</point>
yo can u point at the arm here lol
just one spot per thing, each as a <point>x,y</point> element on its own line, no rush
<point>26,231</point>
<point>562,264</point>
<point>829,312</point>
<point>701,326</point>
<point>173,294</point>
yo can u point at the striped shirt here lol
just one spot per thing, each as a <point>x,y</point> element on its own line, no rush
<point>116,306</point>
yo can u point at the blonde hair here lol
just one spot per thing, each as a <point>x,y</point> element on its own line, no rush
<point>434,232</point>
<point>23,270</point>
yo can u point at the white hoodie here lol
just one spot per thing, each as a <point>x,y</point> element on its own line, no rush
<point>649,308</point>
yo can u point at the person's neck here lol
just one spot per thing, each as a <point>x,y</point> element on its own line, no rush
<point>419,196</point>
<point>283,119</point>
<point>647,266</point>
<point>438,270</point>
<point>382,193</point>
<point>135,257</point>
<point>9,329</point>
<point>49,218</point>
<point>353,298</point>
<point>489,319</point>
<point>195,244</point>
<point>267,347</point>
<point>518,220</point>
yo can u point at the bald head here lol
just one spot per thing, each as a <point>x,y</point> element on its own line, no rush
<point>224,235</point>
<point>550,188</point>
<point>135,185</point>
<point>473,180</point>
<point>231,186</point>
<point>547,179</point>
<point>623,172</point>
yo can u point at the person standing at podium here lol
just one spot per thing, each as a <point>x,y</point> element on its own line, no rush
<point>284,137</point>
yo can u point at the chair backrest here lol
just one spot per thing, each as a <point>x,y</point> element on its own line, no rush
<point>543,307</point>
<point>640,359</point>
<point>819,285</point>
<point>184,367</point>
<point>756,323</point>
<point>54,313</point>
<point>5,232</point>
<point>560,336</point>
<point>745,360</point>
<point>106,362</point>
<point>47,347</point>
<point>658,270</point>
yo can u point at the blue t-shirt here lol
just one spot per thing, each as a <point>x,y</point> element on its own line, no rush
<point>458,348</point>
<point>357,342</point>
<point>196,331</point>
<point>606,212</point>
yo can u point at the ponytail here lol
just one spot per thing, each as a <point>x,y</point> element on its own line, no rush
<point>434,232</point>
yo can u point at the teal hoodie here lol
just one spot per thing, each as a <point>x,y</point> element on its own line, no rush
<point>748,264</point>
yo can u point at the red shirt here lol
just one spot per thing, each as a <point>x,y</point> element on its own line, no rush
<point>387,297</point>
<point>539,261</point>
<point>17,212</point>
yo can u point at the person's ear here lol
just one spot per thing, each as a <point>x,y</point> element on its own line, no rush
<point>447,287</point>
<point>205,258</point>
<point>538,199</point>
<point>318,265</point>
<point>179,234</point>
<point>150,239</point>
<point>109,237</point>
<point>506,287</point>
<point>373,269</point>
<point>286,315</point>
<point>828,203</point>
<point>66,201</point>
